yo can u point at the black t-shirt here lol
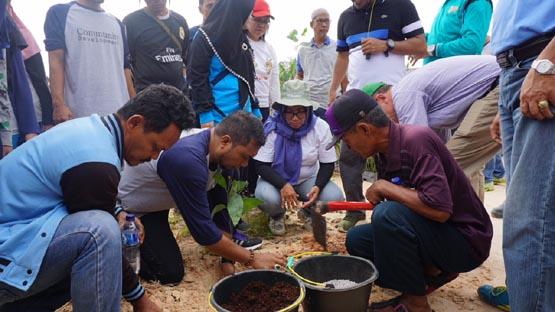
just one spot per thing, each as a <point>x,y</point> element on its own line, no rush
<point>391,19</point>
<point>155,56</point>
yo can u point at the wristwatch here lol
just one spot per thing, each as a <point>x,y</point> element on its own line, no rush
<point>432,50</point>
<point>544,67</point>
<point>390,44</point>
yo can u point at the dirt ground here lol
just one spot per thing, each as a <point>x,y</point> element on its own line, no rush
<point>202,273</point>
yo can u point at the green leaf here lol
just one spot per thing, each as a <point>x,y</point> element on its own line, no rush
<point>220,180</point>
<point>235,207</point>
<point>305,30</point>
<point>250,203</point>
<point>238,186</point>
<point>293,35</point>
<point>217,209</point>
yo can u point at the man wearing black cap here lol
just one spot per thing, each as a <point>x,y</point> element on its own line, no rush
<point>428,224</point>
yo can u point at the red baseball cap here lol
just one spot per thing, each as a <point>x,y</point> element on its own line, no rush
<point>261,9</point>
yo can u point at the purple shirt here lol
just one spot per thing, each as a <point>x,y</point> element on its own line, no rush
<point>420,159</point>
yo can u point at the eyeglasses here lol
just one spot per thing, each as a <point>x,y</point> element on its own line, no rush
<point>322,21</point>
<point>261,21</point>
<point>299,114</point>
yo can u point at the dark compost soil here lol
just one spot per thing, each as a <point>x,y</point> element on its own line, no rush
<point>261,297</point>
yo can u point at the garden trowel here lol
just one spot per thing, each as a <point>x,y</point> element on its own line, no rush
<point>319,228</point>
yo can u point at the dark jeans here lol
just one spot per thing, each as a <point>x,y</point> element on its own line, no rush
<point>494,169</point>
<point>82,263</point>
<point>161,258</point>
<point>402,243</point>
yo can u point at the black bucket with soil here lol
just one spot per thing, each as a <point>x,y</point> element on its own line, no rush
<point>257,291</point>
<point>353,276</point>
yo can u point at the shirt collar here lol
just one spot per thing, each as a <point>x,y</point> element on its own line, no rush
<point>394,149</point>
<point>114,126</point>
<point>327,41</point>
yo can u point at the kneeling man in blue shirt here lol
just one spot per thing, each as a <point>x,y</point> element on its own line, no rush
<point>59,240</point>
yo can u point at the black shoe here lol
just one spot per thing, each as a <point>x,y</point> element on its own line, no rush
<point>250,243</point>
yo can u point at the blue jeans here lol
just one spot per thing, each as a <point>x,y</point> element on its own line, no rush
<point>272,197</point>
<point>494,169</point>
<point>529,216</point>
<point>401,243</point>
<point>85,253</point>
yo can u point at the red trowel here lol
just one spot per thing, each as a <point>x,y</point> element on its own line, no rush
<point>319,228</point>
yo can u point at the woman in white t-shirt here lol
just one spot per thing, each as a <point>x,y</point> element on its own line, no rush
<point>294,164</point>
<point>265,60</point>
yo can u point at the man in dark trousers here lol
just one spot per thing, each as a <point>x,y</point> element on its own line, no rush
<point>373,37</point>
<point>428,224</point>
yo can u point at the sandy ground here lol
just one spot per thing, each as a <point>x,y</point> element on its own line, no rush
<point>202,272</point>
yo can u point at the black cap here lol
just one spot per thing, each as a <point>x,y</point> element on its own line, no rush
<point>346,111</point>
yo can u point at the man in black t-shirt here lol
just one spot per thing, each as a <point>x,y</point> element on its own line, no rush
<point>158,40</point>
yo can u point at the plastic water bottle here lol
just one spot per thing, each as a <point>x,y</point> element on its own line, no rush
<point>131,243</point>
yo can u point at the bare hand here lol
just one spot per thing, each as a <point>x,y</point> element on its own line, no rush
<point>207,125</point>
<point>6,149</point>
<point>138,223</point>
<point>537,88</point>
<point>414,58</point>
<point>267,261</point>
<point>61,113</point>
<point>29,136</point>
<point>374,194</point>
<point>332,96</point>
<point>289,198</point>
<point>312,196</point>
<point>495,129</point>
<point>145,304</point>
<point>373,46</point>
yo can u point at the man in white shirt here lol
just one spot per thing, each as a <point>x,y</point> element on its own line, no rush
<point>316,60</point>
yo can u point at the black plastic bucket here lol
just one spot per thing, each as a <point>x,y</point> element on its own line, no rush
<point>324,268</point>
<point>221,291</point>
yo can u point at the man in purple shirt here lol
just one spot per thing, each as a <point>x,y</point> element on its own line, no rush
<point>428,224</point>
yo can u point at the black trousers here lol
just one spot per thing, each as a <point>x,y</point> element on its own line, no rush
<point>161,258</point>
<point>402,244</point>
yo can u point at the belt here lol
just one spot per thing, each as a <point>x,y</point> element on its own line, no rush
<point>529,49</point>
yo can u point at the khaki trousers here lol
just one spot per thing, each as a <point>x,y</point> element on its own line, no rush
<point>472,145</point>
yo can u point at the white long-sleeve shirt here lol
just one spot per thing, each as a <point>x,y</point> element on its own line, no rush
<point>267,73</point>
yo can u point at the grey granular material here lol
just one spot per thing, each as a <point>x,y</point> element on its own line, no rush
<point>340,283</point>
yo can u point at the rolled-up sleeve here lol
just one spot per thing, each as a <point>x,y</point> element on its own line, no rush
<point>54,27</point>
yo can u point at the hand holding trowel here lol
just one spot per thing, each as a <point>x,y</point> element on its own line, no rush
<point>319,228</point>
